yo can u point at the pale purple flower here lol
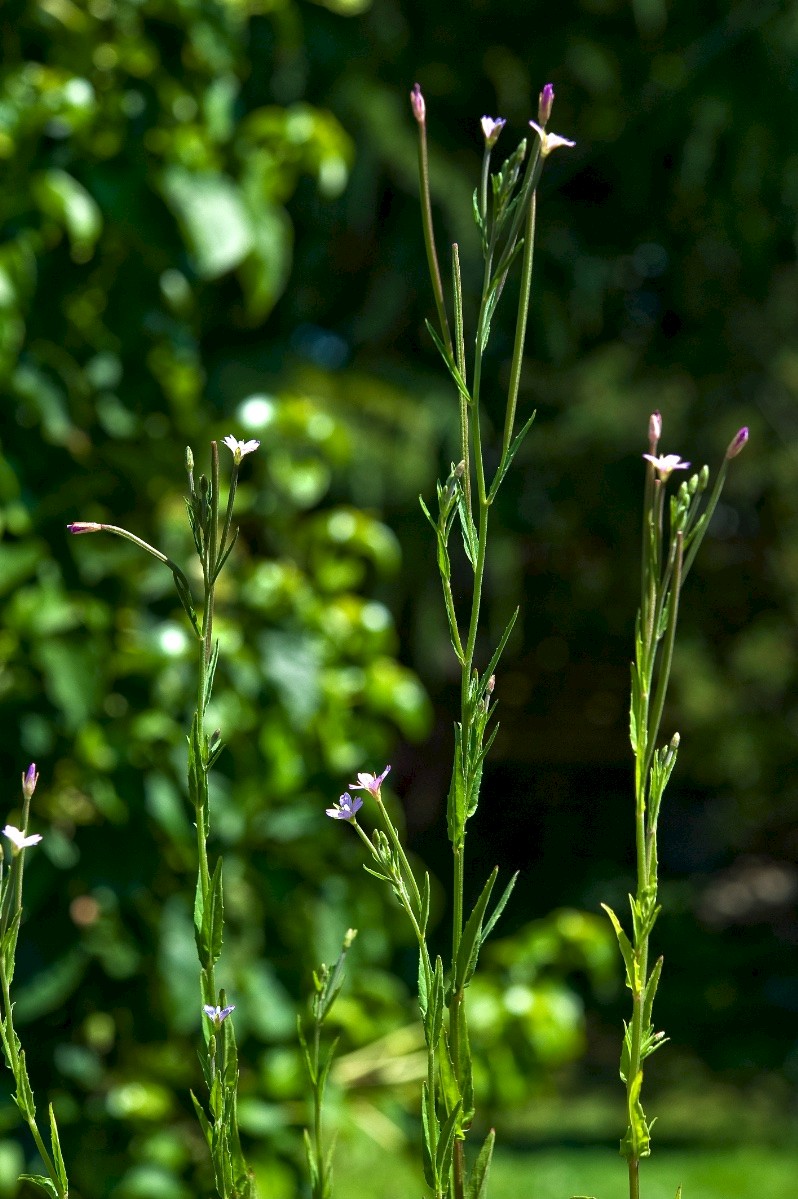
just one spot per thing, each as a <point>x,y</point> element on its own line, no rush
<point>417,104</point>
<point>218,1014</point>
<point>84,526</point>
<point>665,463</point>
<point>18,838</point>
<point>346,808</point>
<point>737,443</point>
<point>549,141</point>
<point>370,782</point>
<point>492,127</point>
<point>29,780</point>
<point>545,103</point>
<point>240,448</point>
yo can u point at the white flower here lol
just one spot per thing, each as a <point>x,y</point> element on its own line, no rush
<point>18,838</point>
<point>549,141</point>
<point>240,448</point>
<point>491,128</point>
<point>665,463</point>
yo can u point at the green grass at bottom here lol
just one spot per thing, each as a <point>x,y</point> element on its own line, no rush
<point>746,1172</point>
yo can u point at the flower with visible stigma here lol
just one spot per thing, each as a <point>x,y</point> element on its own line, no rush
<point>370,782</point>
<point>18,838</point>
<point>239,449</point>
<point>549,141</point>
<point>346,808</point>
<point>492,127</point>
<point>217,1014</point>
<point>664,464</point>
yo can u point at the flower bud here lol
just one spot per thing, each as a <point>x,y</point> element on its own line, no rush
<point>417,104</point>
<point>737,443</point>
<point>654,430</point>
<point>84,526</point>
<point>545,103</point>
<point>703,478</point>
<point>29,780</point>
<point>351,933</point>
<point>189,460</point>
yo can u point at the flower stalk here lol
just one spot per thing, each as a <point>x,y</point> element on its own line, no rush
<point>669,549</point>
<point>213,541</point>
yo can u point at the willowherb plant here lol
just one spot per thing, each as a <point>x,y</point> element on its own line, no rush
<point>214,539</point>
<point>669,550</point>
<point>54,1183</point>
<point>505,213</point>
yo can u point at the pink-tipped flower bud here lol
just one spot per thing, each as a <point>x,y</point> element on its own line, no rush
<point>545,103</point>
<point>84,526</point>
<point>492,127</point>
<point>737,443</point>
<point>654,430</point>
<point>417,104</point>
<point>29,780</point>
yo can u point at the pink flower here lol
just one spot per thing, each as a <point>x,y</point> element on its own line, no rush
<point>665,463</point>
<point>492,127</point>
<point>370,782</point>
<point>346,808</point>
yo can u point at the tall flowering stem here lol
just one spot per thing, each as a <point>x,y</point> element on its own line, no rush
<point>54,1182</point>
<point>504,209</point>
<point>327,982</point>
<point>670,545</point>
<point>214,539</point>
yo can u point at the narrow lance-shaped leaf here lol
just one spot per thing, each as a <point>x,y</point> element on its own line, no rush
<point>471,940</point>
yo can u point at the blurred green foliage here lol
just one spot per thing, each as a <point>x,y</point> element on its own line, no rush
<point>209,225</point>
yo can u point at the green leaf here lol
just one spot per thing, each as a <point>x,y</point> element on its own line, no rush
<point>494,662</point>
<point>58,1157</point>
<point>443,1156</point>
<point>500,906</point>
<point>67,202</point>
<point>429,1140</point>
<point>215,224</point>
<point>471,940</point>
<point>434,1023</point>
<point>450,1088</point>
<point>637,1139</point>
<point>38,1180</point>
<point>456,803</point>
<point>203,1119</point>
<point>427,513</point>
<point>477,1185</point>
<point>625,947</point>
<point>210,674</point>
<point>216,917</point>
<point>450,364</point>
<point>24,1095</point>
<point>650,991</point>
<point>507,459</point>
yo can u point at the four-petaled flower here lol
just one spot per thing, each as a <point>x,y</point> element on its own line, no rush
<point>370,782</point>
<point>18,838</point>
<point>240,448</point>
<point>346,808</point>
<point>549,141</point>
<point>665,463</point>
<point>492,127</point>
<point>218,1014</point>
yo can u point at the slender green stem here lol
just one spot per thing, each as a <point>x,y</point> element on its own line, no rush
<point>429,236</point>
<point>520,325</point>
